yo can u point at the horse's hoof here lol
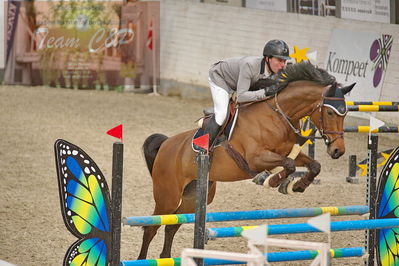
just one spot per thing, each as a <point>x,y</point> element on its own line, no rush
<point>298,190</point>
<point>286,187</point>
<point>260,178</point>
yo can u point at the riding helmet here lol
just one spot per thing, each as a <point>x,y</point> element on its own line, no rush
<point>277,48</point>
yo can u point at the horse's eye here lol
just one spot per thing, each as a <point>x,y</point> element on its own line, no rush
<point>330,112</point>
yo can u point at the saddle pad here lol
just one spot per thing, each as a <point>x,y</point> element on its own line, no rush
<point>197,134</point>
<point>227,133</point>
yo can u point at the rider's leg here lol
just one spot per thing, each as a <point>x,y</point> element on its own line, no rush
<point>220,103</point>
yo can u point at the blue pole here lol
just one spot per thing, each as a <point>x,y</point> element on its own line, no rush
<point>245,215</point>
<point>272,257</point>
<point>280,229</point>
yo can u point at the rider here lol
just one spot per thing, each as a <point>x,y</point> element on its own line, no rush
<point>238,74</point>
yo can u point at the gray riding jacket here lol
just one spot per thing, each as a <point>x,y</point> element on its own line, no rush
<point>238,74</point>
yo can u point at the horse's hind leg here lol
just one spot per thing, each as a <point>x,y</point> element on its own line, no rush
<point>149,233</point>
<point>167,205</point>
<point>187,206</point>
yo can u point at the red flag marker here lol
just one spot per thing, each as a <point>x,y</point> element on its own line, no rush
<point>149,36</point>
<point>202,142</point>
<point>116,132</point>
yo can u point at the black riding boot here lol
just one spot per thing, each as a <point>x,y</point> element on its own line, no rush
<point>212,128</point>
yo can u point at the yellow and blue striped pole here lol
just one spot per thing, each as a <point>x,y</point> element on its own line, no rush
<point>245,215</point>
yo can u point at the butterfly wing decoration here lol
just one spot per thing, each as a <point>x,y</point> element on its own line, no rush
<point>388,207</point>
<point>85,205</point>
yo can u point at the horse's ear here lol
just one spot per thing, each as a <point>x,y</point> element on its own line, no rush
<point>347,89</point>
<point>331,90</point>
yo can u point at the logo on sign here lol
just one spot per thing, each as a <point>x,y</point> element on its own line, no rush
<point>380,51</point>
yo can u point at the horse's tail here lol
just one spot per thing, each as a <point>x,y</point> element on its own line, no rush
<point>151,147</point>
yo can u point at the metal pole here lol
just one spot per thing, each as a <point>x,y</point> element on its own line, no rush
<point>371,194</point>
<point>393,11</point>
<point>202,198</point>
<point>313,8</point>
<point>338,8</point>
<point>351,178</point>
<point>311,147</point>
<point>117,171</point>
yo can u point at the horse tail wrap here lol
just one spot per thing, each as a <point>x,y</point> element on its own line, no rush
<point>151,147</point>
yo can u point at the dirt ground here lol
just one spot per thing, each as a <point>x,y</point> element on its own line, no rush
<point>32,231</point>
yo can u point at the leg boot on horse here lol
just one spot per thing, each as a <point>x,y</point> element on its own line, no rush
<point>290,186</point>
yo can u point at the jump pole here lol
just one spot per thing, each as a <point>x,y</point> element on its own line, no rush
<point>272,257</point>
<point>201,201</point>
<point>370,103</point>
<point>371,193</point>
<point>373,108</point>
<point>186,218</point>
<point>366,129</point>
<point>301,228</point>
<point>116,202</point>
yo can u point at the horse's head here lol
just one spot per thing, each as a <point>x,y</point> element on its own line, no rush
<point>328,116</point>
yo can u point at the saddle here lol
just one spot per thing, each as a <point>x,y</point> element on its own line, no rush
<point>225,131</point>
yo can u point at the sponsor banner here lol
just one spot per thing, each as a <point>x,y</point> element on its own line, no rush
<point>360,57</point>
<point>91,44</point>
<point>273,5</point>
<point>367,10</point>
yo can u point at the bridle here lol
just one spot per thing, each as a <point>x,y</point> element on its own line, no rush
<point>324,133</point>
<point>320,106</point>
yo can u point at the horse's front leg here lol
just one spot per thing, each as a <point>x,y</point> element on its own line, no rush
<point>313,167</point>
<point>267,160</point>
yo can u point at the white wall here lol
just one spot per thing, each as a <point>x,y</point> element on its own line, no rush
<point>195,35</point>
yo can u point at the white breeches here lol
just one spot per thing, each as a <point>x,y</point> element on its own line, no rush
<point>220,102</point>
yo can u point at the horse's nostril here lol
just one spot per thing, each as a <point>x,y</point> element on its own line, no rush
<point>337,153</point>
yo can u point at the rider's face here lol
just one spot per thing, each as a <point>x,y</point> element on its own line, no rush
<point>276,64</point>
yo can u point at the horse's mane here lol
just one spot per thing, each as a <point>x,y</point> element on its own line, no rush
<point>305,71</point>
<point>296,72</point>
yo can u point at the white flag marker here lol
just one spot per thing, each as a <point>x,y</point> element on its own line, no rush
<point>312,57</point>
<point>257,235</point>
<point>321,222</point>
<point>375,123</point>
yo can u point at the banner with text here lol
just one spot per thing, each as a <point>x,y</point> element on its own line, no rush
<point>91,44</point>
<point>360,57</point>
<point>367,10</point>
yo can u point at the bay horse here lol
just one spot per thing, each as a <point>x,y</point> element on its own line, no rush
<point>264,135</point>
